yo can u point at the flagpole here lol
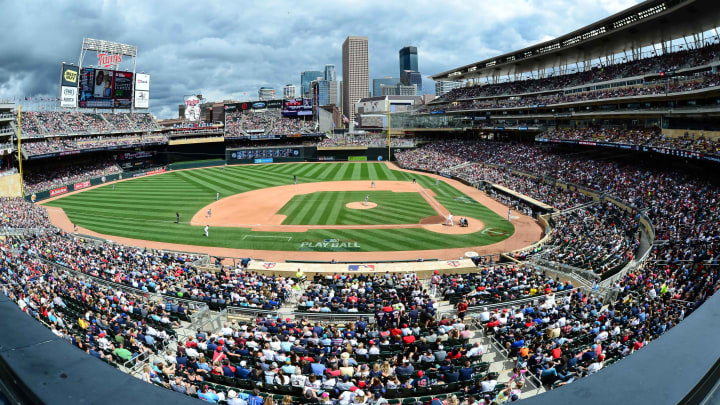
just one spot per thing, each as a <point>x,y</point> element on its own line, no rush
<point>22,189</point>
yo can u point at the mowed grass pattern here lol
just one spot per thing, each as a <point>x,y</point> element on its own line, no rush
<point>329,208</point>
<point>144,208</point>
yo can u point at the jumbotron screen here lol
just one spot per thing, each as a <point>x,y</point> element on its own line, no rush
<point>297,106</point>
<point>100,88</point>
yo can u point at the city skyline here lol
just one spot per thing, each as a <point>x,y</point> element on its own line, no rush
<point>221,61</point>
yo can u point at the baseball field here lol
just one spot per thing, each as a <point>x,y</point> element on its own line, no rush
<point>260,207</point>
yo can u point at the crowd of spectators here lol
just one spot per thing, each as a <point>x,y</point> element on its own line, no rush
<point>51,123</point>
<point>109,324</point>
<point>680,206</point>
<point>599,238</point>
<point>59,145</point>
<point>650,65</point>
<point>694,82</point>
<point>16,212</point>
<point>345,294</point>
<point>407,351</point>
<point>42,180</point>
<point>495,283</point>
<point>317,362</point>
<point>641,137</point>
<point>254,122</point>
<point>371,140</point>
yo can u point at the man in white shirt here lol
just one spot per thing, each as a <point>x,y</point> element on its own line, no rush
<point>595,366</point>
<point>476,350</point>
<point>488,384</point>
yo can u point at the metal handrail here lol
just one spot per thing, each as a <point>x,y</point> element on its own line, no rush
<point>248,311</point>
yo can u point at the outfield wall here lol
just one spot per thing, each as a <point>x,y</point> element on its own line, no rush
<point>311,154</point>
<point>58,191</point>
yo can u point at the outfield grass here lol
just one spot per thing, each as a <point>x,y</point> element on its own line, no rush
<point>328,208</point>
<point>144,208</point>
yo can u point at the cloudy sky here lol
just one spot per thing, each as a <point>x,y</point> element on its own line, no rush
<point>227,50</point>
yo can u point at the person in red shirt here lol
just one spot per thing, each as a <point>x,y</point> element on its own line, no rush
<point>409,339</point>
<point>462,307</point>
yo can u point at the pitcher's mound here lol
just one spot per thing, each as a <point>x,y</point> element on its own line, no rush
<point>359,205</point>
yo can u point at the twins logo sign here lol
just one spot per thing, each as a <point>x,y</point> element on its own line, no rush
<point>453,263</point>
<point>268,265</point>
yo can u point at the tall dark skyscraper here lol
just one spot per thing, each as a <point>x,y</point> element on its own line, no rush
<point>408,59</point>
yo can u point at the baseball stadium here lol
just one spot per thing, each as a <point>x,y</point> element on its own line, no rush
<point>546,229</point>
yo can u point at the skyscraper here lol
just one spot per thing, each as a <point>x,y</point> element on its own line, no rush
<point>386,81</point>
<point>408,59</point>
<point>330,73</point>
<point>289,91</point>
<point>306,78</point>
<point>326,92</point>
<point>266,93</point>
<point>355,73</point>
<point>412,77</point>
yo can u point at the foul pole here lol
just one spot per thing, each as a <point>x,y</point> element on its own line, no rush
<point>22,188</point>
<point>388,117</point>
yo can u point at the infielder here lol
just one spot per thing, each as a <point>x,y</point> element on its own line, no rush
<point>209,212</point>
<point>206,231</point>
<point>372,184</point>
<point>449,220</point>
<point>295,180</point>
<point>217,196</point>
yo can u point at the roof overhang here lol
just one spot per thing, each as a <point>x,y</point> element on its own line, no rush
<point>647,23</point>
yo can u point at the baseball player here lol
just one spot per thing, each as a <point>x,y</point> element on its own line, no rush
<point>177,217</point>
<point>113,186</point>
<point>372,184</point>
<point>437,182</point>
<point>449,220</point>
<point>209,212</point>
<point>509,214</point>
<point>367,197</point>
<point>206,231</point>
<point>295,180</point>
<point>217,196</point>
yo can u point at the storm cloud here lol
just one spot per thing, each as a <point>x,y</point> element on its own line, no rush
<point>227,50</point>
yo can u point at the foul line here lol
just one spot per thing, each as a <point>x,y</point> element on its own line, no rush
<point>289,238</point>
<point>435,204</point>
